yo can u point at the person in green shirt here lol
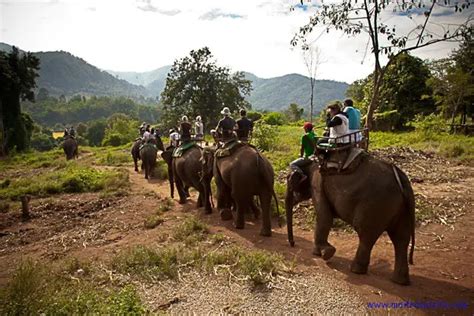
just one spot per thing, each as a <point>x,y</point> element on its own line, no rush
<point>308,143</point>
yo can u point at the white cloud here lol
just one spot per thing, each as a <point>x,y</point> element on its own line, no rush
<point>141,35</point>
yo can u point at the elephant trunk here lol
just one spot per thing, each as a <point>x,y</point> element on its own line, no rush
<point>289,215</point>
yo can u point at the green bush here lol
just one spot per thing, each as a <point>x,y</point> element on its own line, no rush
<point>42,142</point>
<point>274,118</point>
<point>254,116</point>
<point>264,136</point>
<point>386,121</point>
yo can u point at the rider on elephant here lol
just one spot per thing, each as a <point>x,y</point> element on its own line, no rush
<point>245,127</point>
<point>338,124</point>
<point>174,138</point>
<point>353,115</point>
<point>142,129</point>
<point>226,126</point>
<point>185,129</point>
<point>72,131</point>
<point>308,143</point>
<point>199,129</point>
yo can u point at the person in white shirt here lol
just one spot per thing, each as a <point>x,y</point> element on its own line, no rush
<point>199,129</point>
<point>338,124</point>
<point>174,138</point>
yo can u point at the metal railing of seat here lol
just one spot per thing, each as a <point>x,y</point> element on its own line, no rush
<point>358,138</point>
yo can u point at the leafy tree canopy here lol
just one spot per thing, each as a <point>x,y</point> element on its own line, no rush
<point>196,85</point>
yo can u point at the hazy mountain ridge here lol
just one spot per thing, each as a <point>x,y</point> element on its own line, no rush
<point>63,73</point>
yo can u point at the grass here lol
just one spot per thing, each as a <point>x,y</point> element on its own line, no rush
<point>111,156</point>
<point>167,261</point>
<point>33,160</point>
<point>166,205</point>
<point>153,220</point>
<point>161,170</point>
<point>37,289</point>
<point>73,178</point>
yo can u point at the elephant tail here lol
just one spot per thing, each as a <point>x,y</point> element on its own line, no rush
<point>409,198</point>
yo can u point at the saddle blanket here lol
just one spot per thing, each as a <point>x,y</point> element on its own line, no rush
<point>179,151</point>
<point>227,150</point>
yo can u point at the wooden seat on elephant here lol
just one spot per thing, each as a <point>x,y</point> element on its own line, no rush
<point>358,139</point>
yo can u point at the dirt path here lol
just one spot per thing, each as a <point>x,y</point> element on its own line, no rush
<point>444,261</point>
<point>95,227</point>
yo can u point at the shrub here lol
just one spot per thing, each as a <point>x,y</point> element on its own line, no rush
<point>254,116</point>
<point>42,142</point>
<point>274,118</point>
<point>191,231</point>
<point>152,221</point>
<point>264,136</point>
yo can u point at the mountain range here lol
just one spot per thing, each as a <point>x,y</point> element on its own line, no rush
<point>62,73</point>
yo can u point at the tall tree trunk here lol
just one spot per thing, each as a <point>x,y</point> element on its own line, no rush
<point>3,136</point>
<point>311,101</point>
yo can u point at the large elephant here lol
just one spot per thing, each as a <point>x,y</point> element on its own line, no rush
<point>186,172</point>
<point>239,177</point>
<point>148,154</point>
<point>70,147</point>
<point>373,197</point>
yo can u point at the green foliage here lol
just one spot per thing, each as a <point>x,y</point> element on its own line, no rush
<point>96,132</point>
<point>386,121</point>
<point>254,116</point>
<point>191,231</point>
<point>274,118</point>
<point>294,112</point>
<point>18,74</point>
<point>113,157</point>
<point>264,136</point>
<point>120,130</point>
<point>76,110</point>
<point>74,178</point>
<point>196,85</point>
<point>35,289</point>
<point>32,160</point>
<point>42,142</point>
<point>153,220</point>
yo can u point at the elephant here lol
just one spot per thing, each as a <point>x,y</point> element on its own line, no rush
<point>70,147</point>
<point>373,197</point>
<point>186,172</point>
<point>136,152</point>
<point>239,177</point>
<point>148,154</point>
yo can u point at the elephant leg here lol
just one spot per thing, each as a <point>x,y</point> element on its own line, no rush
<point>181,192</point>
<point>400,238</point>
<point>186,191</point>
<point>367,239</point>
<point>266,203</point>
<point>321,231</point>
<point>242,205</point>
<point>135,162</point>
<point>199,200</point>
<point>223,199</point>
<point>208,197</point>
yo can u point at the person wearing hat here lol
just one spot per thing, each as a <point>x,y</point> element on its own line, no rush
<point>226,125</point>
<point>142,129</point>
<point>199,129</point>
<point>308,144</point>
<point>185,130</point>
<point>174,138</point>
<point>244,127</point>
<point>338,124</point>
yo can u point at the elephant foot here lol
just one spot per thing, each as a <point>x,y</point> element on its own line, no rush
<point>265,232</point>
<point>239,225</point>
<point>136,169</point>
<point>146,177</point>
<point>326,252</point>
<point>358,268</point>
<point>182,201</point>
<point>316,251</point>
<point>226,214</point>
<point>402,279</point>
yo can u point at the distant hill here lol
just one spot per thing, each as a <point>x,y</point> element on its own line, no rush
<point>268,94</point>
<point>64,73</point>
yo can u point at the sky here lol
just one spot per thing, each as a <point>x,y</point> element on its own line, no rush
<point>247,35</point>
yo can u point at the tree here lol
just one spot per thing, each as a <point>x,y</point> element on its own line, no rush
<point>354,18</point>
<point>196,85</point>
<point>312,60</point>
<point>18,73</point>
<point>95,132</point>
<point>294,112</point>
<point>43,94</point>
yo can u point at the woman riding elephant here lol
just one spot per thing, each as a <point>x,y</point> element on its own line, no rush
<point>70,147</point>
<point>373,197</point>
<point>239,177</point>
<point>155,140</point>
